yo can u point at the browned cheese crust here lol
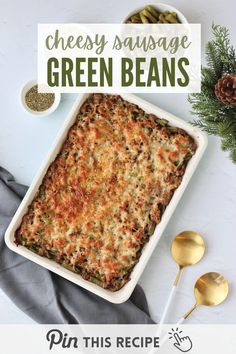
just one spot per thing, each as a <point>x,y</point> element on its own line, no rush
<point>106,190</point>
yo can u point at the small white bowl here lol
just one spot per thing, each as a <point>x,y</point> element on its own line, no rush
<point>159,7</point>
<point>44,113</point>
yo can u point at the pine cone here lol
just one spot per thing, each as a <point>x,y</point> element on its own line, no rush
<point>225,89</point>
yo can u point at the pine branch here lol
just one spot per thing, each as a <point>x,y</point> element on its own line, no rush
<point>215,117</point>
<point>213,57</point>
<point>225,50</point>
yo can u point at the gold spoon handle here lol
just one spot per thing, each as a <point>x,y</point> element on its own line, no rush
<point>178,276</point>
<point>190,311</point>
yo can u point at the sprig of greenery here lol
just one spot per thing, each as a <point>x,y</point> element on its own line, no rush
<point>215,117</point>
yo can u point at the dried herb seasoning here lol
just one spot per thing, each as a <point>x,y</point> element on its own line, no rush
<point>39,101</point>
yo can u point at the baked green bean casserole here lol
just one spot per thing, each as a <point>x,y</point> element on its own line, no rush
<point>103,195</point>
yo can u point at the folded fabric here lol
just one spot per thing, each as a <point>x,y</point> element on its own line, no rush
<point>45,296</point>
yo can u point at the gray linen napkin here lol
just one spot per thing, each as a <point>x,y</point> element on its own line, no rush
<point>45,296</point>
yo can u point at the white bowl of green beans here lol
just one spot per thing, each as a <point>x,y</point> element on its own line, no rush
<point>156,14</point>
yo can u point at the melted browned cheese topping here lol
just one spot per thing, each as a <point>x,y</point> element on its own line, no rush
<point>107,189</point>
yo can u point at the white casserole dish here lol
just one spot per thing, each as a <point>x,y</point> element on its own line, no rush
<point>124,293</point>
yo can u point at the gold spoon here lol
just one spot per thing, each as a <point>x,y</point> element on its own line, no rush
<point>211,289</point>
<point>187,249</point>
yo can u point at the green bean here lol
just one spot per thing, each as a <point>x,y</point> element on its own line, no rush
<point>150,17</point>
<point>95,280</point>
<point>162,121</point>
<point>153,11</point>
<point>152,229</point>
<point>161,17</point>
<point>135,18</point>
<point>52,253</point>
<point>173,129</point>
<point>143,18</point>
<point>67,266</point>
<point>170,18</point>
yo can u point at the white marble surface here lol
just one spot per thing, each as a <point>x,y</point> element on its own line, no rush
<point>208,204</point>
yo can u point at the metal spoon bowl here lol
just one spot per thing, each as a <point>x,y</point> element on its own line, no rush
<point>187,249</point>
<point>211,289</point>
